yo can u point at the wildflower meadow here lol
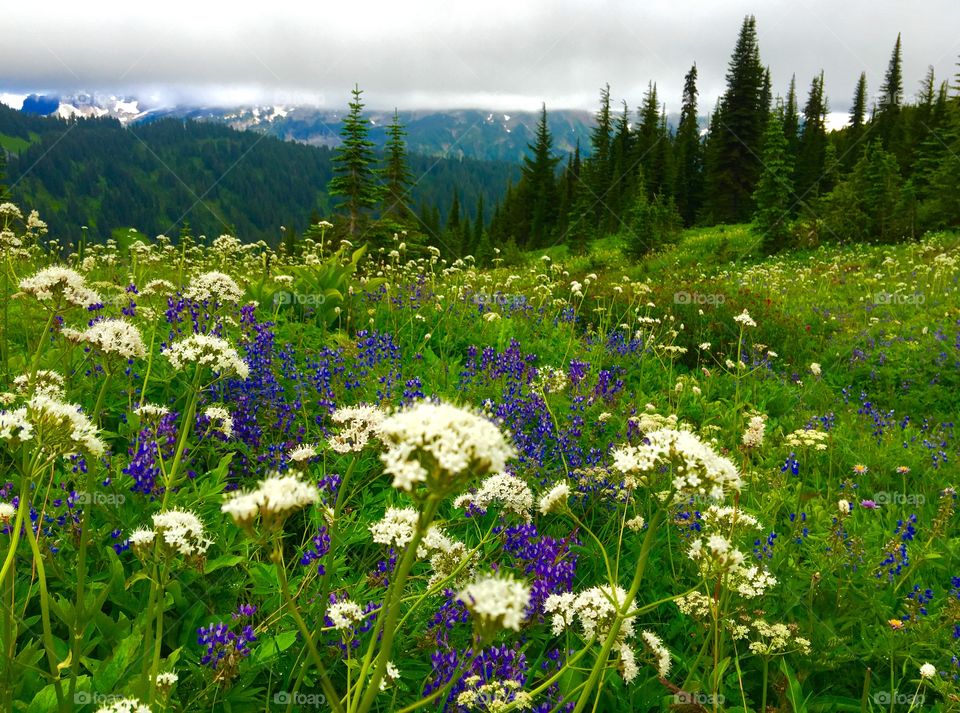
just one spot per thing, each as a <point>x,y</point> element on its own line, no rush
<point>239,478</point>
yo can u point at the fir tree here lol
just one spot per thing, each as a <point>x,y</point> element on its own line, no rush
<point>813,143</point>
<point>353,163</point>
<point>396,174</point>
<point>600,169</point>
<point>4,190</point>
<point>891,99</point>
<point>539,184</point>
<point>735,139</point>
<point>688,180</point>
<point>858,118</point>
<point>791,118</point>
<point>774,192</point>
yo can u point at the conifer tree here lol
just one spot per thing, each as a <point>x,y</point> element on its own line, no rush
<point>891,100</point>
<point>688,179</point>
<point>791,118</point>
<point>813,143</point>
<point>4,190</point>
<point>539,184</point>
<point>736,133</point>
<point>396,174</point>
<point>774,192</point>
<point>355,179</point>
<point>598,179</point>
<point>858,119</point>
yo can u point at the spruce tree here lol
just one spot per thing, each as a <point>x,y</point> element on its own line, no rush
<point>688,154</point>
<point>396,174</point>
<point>4,190</point>
<point>598,179</point>
<point>858,119</point>
<point>539,184</point>
<point>791,118</point>
<point>353,161</point>
<point>813,143</point>
<point>891,101</point>
<point>736,133</point>
<point>774,192</point>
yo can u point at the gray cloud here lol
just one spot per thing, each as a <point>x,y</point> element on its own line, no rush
<point>507,54</point>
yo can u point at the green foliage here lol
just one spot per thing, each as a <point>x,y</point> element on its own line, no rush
<point>774,195</point>
<point>652,224</point>
<point>355,180</point>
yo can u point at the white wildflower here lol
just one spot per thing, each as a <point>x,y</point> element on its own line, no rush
<point>220,419</point>
<point>215,287</point>
<point>56,284</point>
<point>441,444</point>
<point>555,499</point>
<point>207,350</point>
<point>497,600</point>
<point>396,528</point>
<point>116,337</point>
<point>344,614</point>
<point>358,425</point>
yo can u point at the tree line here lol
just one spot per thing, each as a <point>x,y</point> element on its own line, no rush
<point>891,173</point>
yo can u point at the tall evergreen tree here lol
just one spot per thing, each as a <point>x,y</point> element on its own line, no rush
<point>688,154</point>
<point>891,100</point>
<point>623,161</point>
<point>396,174</point>
<point>813,143</point>
<point>736,133</point>
<point>598,178</point>
<point>774,192</point>
<point>858,120</point>
<point>353,163</point>
<point>791,118</point>
<point>539,184</point>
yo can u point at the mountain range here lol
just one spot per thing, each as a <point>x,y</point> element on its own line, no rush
<point>453,133</point>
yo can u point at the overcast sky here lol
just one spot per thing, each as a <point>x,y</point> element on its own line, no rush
<point>498,54</point>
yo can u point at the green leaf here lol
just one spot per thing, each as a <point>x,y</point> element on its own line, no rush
<point>124,655</point>
<point>275,645</point>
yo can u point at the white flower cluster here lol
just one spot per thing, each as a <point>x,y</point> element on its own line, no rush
<point>274,499</point>
<point>116,337</point>
<point>698,469</point>
<point>358,425</point>
<point>55,283</point>
<point>151,411</point>
<point>124,705</point>
<point>695,604</point>
<point>493,695</point>
<point>7,512</point>
<point>499,601</point>
<point>555,499</point>
<point>441,444</point>
<point>716,553</point>
<point>300,455</point>
<point>745,319</point>
<point>213,287</point>
<point>161,288</point>
<point>180,531</point>
<point>61,427</point>
<point>396,528</point>
<point>753,436</point>
<point>808,438</point>
<point>46,383</point>
<point>654,644</point>
<point>344,614</point>
<point>725,517</point>
<point>816,369</point>
<point>595,609</point>
<point>220,418</point>
<point>508,490</point>
<point>166,679</point>
<point>771,639</point>
<point>551,380</point>
<point>207,350</point>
